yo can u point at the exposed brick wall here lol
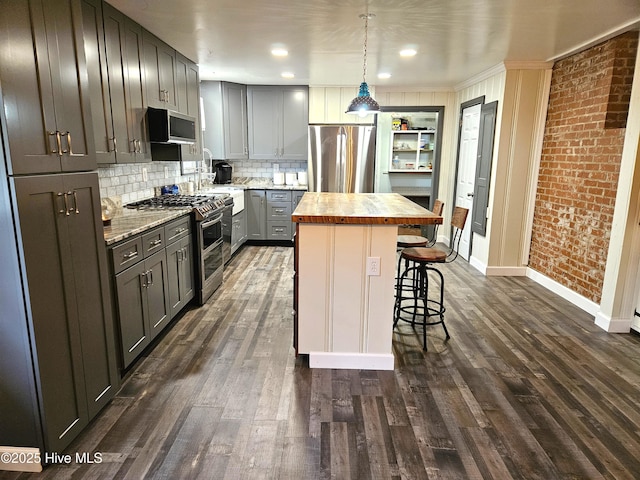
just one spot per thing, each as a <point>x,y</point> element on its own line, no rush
<point>580,165</point>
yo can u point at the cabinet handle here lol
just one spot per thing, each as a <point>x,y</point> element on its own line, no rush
<point>115,144</point>
<point>279,210</point>
<point>63,210</point>
<point>155,243</point>
<point>130,255</point>
<point>143,277</point>
<point>70,150</point>
<point>75,203</point>
<point>179,254</point>
<point>149,274</point>
<point>66,204</point>
<point>60,135</point>
<point>52,134</point>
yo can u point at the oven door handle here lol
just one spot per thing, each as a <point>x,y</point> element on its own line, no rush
<point>207,223</point>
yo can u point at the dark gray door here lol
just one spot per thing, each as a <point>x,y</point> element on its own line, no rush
<point>135,94</point>
<point>95,317</point>
<point>45,93</point>
<point>94,47</point>
<point>234,99</point>
<point>179,274</point>
<point>256,215</point>
<point>65,257</point>
<point>160,68</point>
<point>54,312</point>
<point>119,82</point>
<point>134,327</point>
<point>157,292</point>
<point>483,168</point>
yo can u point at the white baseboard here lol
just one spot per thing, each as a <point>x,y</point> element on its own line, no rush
<point>357,361</point>
<point>478,265</point>
<point>613,325</point>
<point>20,459</point>
<point>566,293</point>
<point>506,271</point>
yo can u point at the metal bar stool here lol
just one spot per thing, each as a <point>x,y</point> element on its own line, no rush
<point>408,241</point>
<point>413,303</point>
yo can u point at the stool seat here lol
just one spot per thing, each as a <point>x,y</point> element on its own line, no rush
<point>405,241</point>
<point>424,255</point>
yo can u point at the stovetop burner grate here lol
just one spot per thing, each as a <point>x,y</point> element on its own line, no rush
<point>171,201</point>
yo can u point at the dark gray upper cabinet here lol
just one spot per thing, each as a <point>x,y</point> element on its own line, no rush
<point>95,53</point>
<point>71,321</point>
<point>134,88</point>
<point>160,72</point>
<point>278,122</point>
<point>45,87</point>
<point>225,111</point>
<point>188,96</point>
<point>112,44</point>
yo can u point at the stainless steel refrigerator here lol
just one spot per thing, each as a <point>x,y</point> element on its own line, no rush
<point>341,158</point>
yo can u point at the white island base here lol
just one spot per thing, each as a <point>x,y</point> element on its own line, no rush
<point>345,316</point>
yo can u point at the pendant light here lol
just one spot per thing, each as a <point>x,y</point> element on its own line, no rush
<point>364,104</point>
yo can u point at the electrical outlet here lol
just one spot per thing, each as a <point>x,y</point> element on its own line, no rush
<point>373,266</point>
<point>166,172</point>
<point>145,176</point>
<point>276,167</point>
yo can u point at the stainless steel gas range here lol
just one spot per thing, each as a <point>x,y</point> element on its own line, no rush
<point>207,212</point>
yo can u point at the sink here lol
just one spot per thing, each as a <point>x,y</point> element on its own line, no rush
<point>236,193</point>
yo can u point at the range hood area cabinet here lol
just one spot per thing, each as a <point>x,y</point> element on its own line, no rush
<point>278,122</point>
<point>225,120</point>
<point>129,69</point>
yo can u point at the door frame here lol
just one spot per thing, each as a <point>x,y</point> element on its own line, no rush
<point>463,106</point>
<point>435,179</point>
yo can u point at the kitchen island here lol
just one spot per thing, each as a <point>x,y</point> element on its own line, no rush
<point>345,275</point>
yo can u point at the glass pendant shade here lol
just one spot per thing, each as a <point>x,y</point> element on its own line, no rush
<point>363,104</point>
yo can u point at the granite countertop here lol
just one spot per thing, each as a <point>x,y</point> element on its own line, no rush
<point>361,208</point>
<point>129,222</point>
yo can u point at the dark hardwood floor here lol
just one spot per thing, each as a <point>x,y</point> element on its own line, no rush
<point>527,388</point>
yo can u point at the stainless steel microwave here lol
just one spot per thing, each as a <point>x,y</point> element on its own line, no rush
<point>167,126</point>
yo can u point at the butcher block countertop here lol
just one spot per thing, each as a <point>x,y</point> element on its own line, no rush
<point>361,209</point>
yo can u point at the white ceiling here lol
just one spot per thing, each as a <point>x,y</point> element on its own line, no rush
<point>455,39</point>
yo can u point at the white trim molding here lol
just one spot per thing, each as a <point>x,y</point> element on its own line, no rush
<point>566,293</point>
<point>346,360</point>
<point>506,271</point>
<point>612,325</point>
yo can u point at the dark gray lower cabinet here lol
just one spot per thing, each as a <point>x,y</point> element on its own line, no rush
<point>154,280</point>
<point>143,310</point>
<point>180,267</point>
<point>69,317</point>
<point>256,208</point>
<point>238,230</point>
<point>269,213</point>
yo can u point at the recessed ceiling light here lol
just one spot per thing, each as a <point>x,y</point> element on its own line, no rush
<point>384,75</point>
<point>287,75</point>
<point>408,52</point>
<point>279,52</point>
